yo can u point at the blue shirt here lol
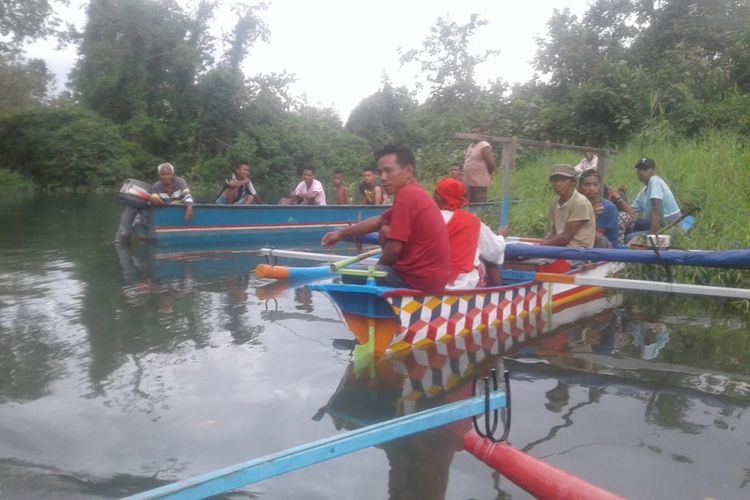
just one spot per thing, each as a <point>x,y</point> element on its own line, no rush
<point>655,189</point>
<point>607,222</point>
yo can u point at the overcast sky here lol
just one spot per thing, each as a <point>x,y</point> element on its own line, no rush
<point>339,49</point>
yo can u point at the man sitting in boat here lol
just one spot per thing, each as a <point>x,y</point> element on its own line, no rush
<point>571,214</point>
<point>168,183</point>
<point>171,189</point>
<point>369,191</point>
<point>416,252</point>
<point>238,188</point>
<point>655,204</point>
<point>309,191</point>
<point>607,230</point>
<point>476,251</point>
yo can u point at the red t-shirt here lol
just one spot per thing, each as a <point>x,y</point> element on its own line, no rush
<point>415,220</point>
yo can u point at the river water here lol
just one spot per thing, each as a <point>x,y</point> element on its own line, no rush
<point>122,371</point>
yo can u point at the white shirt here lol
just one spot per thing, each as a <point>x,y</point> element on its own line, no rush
<point>584,164</point>
<point>315,187</point>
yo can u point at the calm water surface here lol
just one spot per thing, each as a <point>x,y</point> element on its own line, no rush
<point>122,371</point>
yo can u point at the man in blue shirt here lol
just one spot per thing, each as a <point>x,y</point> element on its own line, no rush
<point>607,229</point>
<point>655,203</point>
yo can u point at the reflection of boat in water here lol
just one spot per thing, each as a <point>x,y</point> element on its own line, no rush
<point>399,319</point>
<point>402,382</point>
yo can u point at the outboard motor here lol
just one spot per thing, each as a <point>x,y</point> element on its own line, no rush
<point>135,193</point>
<point>135,196</point>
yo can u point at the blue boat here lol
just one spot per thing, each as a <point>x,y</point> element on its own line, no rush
<point>243,225</point>
<point>228,226</point>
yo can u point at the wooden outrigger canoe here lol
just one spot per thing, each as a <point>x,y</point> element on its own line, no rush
<point>397,319</point>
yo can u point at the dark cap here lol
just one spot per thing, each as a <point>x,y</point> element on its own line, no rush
<point>563,171</point>
<point>646,162</point>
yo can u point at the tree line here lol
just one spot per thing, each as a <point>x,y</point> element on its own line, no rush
<point>152,84</point>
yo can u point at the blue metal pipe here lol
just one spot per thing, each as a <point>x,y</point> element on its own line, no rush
<point>243,474</point>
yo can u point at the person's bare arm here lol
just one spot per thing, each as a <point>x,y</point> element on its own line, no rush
<point>378,195</point>
<point>235,183</point>
<point>365,227</point>
<point>391,250</point>
<point>655,215</point>
<point>562,239</point>
<point>489,159</point>
<point>617,197</point>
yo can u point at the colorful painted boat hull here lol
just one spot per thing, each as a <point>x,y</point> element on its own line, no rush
<point>394,319</point>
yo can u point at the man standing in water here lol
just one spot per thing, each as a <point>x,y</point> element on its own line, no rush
<point>416,252</point>
<point>479,163</point>
<point>571,214</point>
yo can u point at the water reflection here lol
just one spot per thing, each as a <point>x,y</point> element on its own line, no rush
<point>122,371</point>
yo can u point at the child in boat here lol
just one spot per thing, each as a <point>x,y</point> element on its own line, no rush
<point>238,188</point>
<point>342,194</point>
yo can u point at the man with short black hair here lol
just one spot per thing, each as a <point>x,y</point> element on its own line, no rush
<point>370,193</point>
<point>309,191</point>
<point>655,204</point>
<point>416,252</point>
<point>571,214</point>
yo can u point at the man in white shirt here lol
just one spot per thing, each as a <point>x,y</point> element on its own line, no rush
<point>309,191</point>
<point>589,162</point>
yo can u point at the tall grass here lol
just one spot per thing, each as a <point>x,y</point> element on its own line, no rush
<point>711,172</point>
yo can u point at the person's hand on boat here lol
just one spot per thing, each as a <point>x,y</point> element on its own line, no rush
<point>156,201</point>
<point>189,212</point>
<point>330,239</point>
<point>503,231</point>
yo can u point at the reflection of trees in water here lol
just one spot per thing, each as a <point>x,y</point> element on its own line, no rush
<point>704,333</point>
<point>669,410</point>
<point>34,343</point>
<point>30,359</point>
<point>236,311</point>
<point>131,321</point>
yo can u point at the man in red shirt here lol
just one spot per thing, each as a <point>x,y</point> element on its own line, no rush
<point>416,253</point>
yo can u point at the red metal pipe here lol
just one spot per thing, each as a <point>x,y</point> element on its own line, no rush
<point>534,476</point>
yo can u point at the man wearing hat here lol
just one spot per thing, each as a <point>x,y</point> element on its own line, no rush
<point>571,214</point>
<point>655,203</point>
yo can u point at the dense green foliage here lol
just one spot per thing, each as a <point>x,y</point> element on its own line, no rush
<point>152,84</point>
